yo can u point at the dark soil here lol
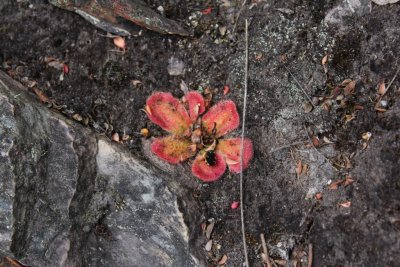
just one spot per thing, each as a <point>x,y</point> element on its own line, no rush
<point>284,36</point>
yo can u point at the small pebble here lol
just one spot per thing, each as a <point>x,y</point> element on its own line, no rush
<point>175,67</point>
<point>160,9</point>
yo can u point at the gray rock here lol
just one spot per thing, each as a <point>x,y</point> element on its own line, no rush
<point>68,198</point>
<point>384,2</point>
<point>347,8</point>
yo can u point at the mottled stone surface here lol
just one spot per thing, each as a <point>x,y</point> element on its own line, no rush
<point>70,199</point>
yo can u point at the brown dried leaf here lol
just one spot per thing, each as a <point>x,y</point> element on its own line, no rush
<point>223,260</point>
<point>307,107</point>
<point>264,257</point>
<point>364,145</point>
<point>358,107</point>
<point>56,64</point>
<point>326,140</point>
<point>148,110</point>
<point>349,180</point>
<point>318,196</point>
<point>144,132</point>
<point>125,137</point>
<point>336,91</point>
<point>115,137</point>
<point>326,105</point>
<point>208,246</point>
<point>380,109</point>
<point>366,136</point>
<point>42,97</point>
<point>324,60</point>
<point>349,89</point>
<point>346,204</point>
<point>281,262</point>
<point>299,168</point>
<point>183,86</point>
<point>209,230</point>
<point>305,169</point>
<point>226,89</point>
<point>258,55</point>
<point>334,185</point>
<point>10,262</point>
<point>77,117</point>
<point>348,118</point>
<point>203,227</point>
<point>136,83</point>
<point>345,82</point>
<point>347,163</point>
<point>382,88</point>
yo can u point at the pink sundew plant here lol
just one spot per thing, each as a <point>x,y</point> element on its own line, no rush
<point>197,133</point>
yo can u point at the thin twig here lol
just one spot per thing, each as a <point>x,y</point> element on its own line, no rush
<point>299,85</point>
<point>237,18</point>
<point>265,250</point>
<point>286,146</point>
<point>394,77</point>
<point>241,147</point>
<point>310,255</point>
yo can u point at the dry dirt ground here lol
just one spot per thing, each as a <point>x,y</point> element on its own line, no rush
<point>327,176</point>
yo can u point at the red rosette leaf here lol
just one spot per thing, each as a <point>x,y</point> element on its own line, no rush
<point>223,117</point>
<point>206,172</point>
<point>230,148</point>
<point>172,149</point>
<point>196,104</point>
<point>168,113</point>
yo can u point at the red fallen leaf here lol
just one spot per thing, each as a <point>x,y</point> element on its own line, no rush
<point>196,104</point>
<point>206,11</point>
<point>120,42</point>
<point>315,141</point>
<point>223,260</point>
<point>168,113</point>
<point>235,205</point>
<point>346,204</point>
<point>358,107</point>
<point>172,149</point>
<point>206,172</point>
<point>223,117</point>
<point>335,92</point>
<point>230,148</point>
<point>334,185</point>
<point>226,89</point>
<point>299,168</point>
<point>318,196</point>
<point>65,68</point>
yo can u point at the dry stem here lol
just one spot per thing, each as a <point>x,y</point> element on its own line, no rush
<point>241,147</point>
